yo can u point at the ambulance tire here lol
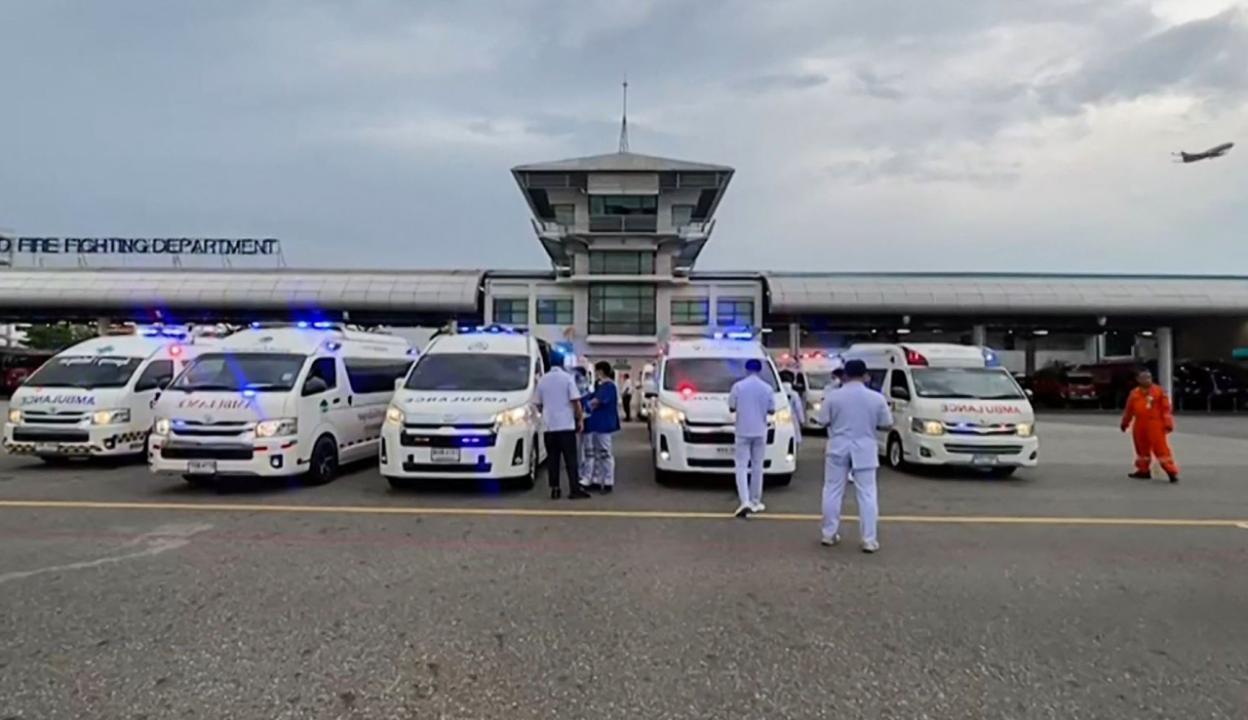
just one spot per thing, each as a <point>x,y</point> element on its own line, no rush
<point>1002,472</point>
<point>778,480</point>
<point>894,453</point>
<point>529,481</point>
<point>54,460</point>
<point>324,464</point>
<point>663,477</point>
<point>398,483</point>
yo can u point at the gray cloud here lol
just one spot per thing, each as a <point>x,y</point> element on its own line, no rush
<point>782,81</point>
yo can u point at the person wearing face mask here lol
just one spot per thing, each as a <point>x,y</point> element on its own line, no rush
<point>795,403</point>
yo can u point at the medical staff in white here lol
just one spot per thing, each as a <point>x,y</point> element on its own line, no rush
<point>852,414</point>
<point>796,404</point>
<point>752,400</point>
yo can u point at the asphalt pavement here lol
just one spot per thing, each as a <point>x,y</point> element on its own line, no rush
<point>1069,591</point>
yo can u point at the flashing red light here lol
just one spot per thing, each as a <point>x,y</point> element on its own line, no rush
<point>686,390</point>
<point>175,350</point>
<point>915,358</point>
<point>785,357</point>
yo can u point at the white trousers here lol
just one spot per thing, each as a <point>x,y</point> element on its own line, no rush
<point>601,459</point>
<point>750,454</point>
<point>584,458</point>
<point>835,474</point>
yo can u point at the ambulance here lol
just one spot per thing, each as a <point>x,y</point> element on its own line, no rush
<point>692,427</point>
<point>95,399</point>
<point>813,370</point>
<point>279,400</point>
<point>649,391</point>
<point>952,405</point>
<point>467,410</point>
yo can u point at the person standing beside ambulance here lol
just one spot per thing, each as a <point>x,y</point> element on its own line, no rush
<point>751,400</point>
<point>1148,408</point>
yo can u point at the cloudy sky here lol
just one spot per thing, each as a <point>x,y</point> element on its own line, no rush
<point>889,135</point>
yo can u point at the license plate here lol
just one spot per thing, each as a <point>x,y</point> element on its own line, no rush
<point>983,459</point>
<point>725,451</point>
<point>47,448</point>
<point>201,467</point>
<point>444,455</point>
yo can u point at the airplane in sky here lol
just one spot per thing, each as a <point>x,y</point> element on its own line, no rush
<point>1213,152</point>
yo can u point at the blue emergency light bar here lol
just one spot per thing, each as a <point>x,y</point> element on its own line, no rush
<point>736,333</point>
<point>160,331</point>
<point>991,359</point>
<point>493,329</point>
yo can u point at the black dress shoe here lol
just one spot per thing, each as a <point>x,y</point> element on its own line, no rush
<point>1141,476</point>
<point>555,493</point>
<point>607,489</point>
<point>578,494</point>
<point>1174,478</point>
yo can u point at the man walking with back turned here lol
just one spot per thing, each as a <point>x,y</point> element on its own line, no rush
<point>852,414</point>
<point>752,399</point>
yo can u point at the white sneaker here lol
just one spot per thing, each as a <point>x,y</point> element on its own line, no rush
<point>743,511</point>
<point>757,507</point>
<point>830,541</point>
<point>870,547</point>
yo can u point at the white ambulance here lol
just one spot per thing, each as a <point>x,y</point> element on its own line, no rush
<point>278,400</point>
<point>814,374</point>
<point>692,427</point>
<point>466,410</point>
<point>952,405</point>
<point>95,399</point>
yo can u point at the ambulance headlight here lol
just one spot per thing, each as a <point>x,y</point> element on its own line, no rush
<point>15,416</point>
<point>514,416</point>
<point>394,416</point>
<point>783,416</point>
<point>816,406</point>
<point>927,427</point>
<point>277,428</point>
<point>161,426</point>
<point>110,417</point>
<point>670,415</point>
<point>1025,429</point>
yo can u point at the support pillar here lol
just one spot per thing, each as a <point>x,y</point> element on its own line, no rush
<point>102,324</point>
<point>795,339</point>
<point>1029,354</point>
<point>979,335</point>
<point>1165,360</point>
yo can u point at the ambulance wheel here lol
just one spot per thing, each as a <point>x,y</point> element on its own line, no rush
<point>1002,472</point>
<point>528,482</point>
<point>662,477</point>
<point>399,483</point>
<point>54,460</point>
<point>894,454</point>
<point>324,464</point>
<point>779,480</point>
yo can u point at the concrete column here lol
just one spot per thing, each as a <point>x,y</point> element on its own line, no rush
<point>102,324</point>
<point>1029,355</point>
<point>1165,360</point>
<point>979,335</point>
<point>795,339</point>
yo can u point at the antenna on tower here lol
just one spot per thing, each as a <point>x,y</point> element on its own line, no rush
<point>624,120</point>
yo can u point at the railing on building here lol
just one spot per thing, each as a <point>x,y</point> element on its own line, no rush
<point>623,223</point>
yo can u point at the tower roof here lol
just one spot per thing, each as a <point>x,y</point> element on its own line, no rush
<point>621,162</point>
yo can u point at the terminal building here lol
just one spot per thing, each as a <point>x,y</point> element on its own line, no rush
<point>623,233</point>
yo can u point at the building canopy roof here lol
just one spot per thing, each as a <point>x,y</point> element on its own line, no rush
<point>234,289</point>
<point>621,162</point>
<point>825,293</point>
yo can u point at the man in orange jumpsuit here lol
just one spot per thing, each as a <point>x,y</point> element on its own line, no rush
<point>1149,408</point>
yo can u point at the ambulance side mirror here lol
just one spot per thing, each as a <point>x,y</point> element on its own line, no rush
<point>1029,393</point>
<point>900,393</point>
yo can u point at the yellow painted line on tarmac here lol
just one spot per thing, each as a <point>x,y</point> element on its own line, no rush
<point>630,514</point>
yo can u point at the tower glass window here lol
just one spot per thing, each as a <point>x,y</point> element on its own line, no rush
<point>623,204</point>
<point>621,310</point>
<point>511,311</point>
<point>691,312</point>
<point>681,215</point>
<point>732,312</point>
<point>618,262</point>
<point>554,311</point>
<point>565,214</point>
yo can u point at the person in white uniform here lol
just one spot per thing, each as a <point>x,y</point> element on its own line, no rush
<point>752,399</point>
<point>795,404</point>
<point>852,413</point>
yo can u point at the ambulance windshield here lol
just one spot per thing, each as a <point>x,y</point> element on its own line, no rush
<point>471,372</point>
<point>85,371</point>
<point>970,383</point>
<point>241,371</point>
<point>817,381</point>
<point>710,375</point>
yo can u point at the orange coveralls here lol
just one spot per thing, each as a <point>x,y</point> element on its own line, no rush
<point>1150,409</point>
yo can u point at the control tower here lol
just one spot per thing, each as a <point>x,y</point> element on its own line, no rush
<point>623,232</point>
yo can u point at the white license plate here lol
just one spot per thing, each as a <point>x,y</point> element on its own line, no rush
<point>725,451</point>
<point>983,459</point>
<point>201,467</point>
<point>47,448</point>
<point>444,455</point>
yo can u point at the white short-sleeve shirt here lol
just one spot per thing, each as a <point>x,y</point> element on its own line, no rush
<point>556,392</point>
<point>752,400</point>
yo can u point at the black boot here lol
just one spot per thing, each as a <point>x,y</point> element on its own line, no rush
<point>555,493</point>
